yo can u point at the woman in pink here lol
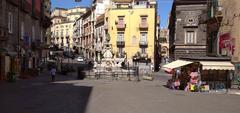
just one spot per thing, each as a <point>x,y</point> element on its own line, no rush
<point>194,77</point>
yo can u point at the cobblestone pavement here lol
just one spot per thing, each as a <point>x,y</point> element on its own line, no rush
<point>68,95</point>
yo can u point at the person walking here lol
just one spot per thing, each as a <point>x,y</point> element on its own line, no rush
<point>53,73</point>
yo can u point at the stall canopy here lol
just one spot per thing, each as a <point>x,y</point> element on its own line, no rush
<point>176,64</point>
<point>217,65</point>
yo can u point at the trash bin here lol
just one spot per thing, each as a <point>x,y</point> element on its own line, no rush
<point>80,74</point>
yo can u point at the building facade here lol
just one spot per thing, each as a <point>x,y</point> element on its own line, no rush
<point>89,35</point>
<point>100,35</point>
<point>23,25</point>
<point>223,30</point>
<point>131,26</point>
<point>62,28</point>
<point>164,42</point>
<point>187,38</point>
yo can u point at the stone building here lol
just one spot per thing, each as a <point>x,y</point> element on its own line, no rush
<point>223,25</point>
<point>22,30</point>
<point>186,37</point>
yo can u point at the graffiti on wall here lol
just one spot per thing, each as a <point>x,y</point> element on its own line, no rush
<point>227,44</point>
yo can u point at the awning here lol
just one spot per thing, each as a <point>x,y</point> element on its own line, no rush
<point>176,64</point>
<point>217,65</point>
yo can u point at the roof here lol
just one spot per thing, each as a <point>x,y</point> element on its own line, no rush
<point>59,8</point>
<point>207,58</point>
<point>186,2</point>
<point>100,18</point>
<point>122,1</point>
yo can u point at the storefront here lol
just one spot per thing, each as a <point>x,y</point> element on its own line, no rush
<point>217,74</point>
<point>207,73</point>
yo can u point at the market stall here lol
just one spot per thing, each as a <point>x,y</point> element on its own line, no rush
<point>200,75</point>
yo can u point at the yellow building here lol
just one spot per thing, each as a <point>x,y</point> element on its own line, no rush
<point>131,27</point>
<point>62,28</point>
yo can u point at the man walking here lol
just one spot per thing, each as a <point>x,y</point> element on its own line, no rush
<point>53,73</point>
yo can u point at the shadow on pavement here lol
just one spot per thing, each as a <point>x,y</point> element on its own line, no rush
<point>42,97</point>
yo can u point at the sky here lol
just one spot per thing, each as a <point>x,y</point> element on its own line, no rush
<point>164,7</point>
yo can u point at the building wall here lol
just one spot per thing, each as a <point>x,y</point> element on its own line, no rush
<point>231,25</point>
<point>164,42</point>
<point>24,24</point>
<point>132,32</point>
<point>62,27</point>
<point>184,20</point>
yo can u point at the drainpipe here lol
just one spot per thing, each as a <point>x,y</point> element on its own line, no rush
<point>218,52</point>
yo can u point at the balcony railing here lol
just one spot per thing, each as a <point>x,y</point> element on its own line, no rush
<point>15,2</point>
<point>143,55</point>
<point>120,55</point>
<point>143,43</point>
<point>120,43</point>
<point>106,26</point>
<point>143,25</point>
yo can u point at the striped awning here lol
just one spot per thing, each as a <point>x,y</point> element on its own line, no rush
<point>217,65</point>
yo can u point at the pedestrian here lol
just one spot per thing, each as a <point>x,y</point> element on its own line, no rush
<point>53,73</point>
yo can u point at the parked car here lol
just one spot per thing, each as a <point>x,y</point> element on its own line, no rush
<point>80,59</point>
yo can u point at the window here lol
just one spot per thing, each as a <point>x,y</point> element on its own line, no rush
<point>120,36</point>
<point>22,30</point>
<point>120,19</point>
<point>143,50</point>
<point>190,37</point>
<point>142,3</point>
<point>10,22</point>
<point>143,19</point>
<point>57,33</point>
<point>33,33</point>
<point>66,32</point>
<point>41,36</point>
<point>143,36</point>
<point>120,50</point>
<point>62,33</point>
<point>162,40</point>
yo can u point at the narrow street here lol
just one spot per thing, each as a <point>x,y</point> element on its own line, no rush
<point>68,95</point>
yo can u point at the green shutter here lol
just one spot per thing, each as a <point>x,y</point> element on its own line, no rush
<point>33,7</point>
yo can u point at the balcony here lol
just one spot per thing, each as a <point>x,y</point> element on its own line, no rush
<point>106,26</point>
<point>14,2</point>
<point>143,25</point>
<point>120,55</point>
<point>120,43</point>
<point>143,55</point>
<point>26,6</point>
<point>143,44</point>
<point>120,25</point>
<point>216,18</point>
